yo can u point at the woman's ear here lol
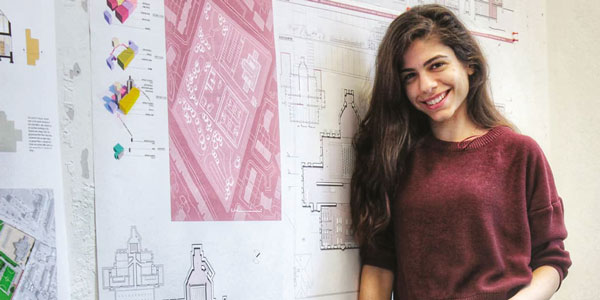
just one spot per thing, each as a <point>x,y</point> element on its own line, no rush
<point>470,70</point>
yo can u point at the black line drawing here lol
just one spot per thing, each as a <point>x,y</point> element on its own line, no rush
<point>133,275</point>
<point>329,178</point>
<point>5,38</point>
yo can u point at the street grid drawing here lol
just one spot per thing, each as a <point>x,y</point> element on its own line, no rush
<point>15,247</point>
<point>27,244</point>
<point>223,112</point>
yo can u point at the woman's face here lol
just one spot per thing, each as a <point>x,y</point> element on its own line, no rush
<point>436,82</point>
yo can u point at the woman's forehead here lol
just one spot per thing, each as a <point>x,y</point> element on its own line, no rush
<point>422,50</point>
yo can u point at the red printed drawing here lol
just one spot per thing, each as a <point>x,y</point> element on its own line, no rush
<point>223,114</point>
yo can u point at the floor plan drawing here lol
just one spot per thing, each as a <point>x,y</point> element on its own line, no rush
<point>133,275</point>
<point>325,63</point>
<point>199,282</point>
<point>303,92</point>
<point>326,183</point>
<point>223,113</point>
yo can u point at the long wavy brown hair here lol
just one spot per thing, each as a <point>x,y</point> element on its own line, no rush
<point>392,126</point>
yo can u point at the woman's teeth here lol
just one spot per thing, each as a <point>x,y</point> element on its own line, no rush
<point>436,100</point>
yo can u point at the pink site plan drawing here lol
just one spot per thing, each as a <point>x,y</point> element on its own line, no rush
<point>223,115</point>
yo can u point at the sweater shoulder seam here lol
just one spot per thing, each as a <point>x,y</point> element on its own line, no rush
<point>547,207</point>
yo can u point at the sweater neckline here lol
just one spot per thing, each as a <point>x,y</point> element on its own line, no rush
<point>472,144</point>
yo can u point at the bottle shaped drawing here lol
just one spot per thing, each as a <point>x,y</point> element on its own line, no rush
<point>199,283</point>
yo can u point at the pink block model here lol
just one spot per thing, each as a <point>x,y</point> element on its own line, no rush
<point>223,114</point>
<point>112,4</point>
<point>127,4</point>
<point>122,13</point>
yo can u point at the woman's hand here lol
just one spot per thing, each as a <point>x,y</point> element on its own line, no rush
<point>543,285</point>
<point>375,283</point>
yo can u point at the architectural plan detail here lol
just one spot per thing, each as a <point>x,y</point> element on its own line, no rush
<point>481,16</point>
<point>199,282</point>
<point>223,112</point>
<point>134,275</point>
<point>6,48</point>
<point>326,55</point>
<point>326,182</point>
<point>27,245</point>
<point>303,91</point>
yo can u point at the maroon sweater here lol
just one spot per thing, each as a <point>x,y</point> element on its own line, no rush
<point>472,220</point>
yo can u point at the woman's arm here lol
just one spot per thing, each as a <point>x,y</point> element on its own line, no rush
<point>375,283</point>
<point>543,285</point>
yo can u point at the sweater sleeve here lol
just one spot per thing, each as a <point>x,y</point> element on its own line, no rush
<point>380,252</point>
<point>546,216</point>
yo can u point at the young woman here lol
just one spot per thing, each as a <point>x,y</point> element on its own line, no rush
<point>448,202</point>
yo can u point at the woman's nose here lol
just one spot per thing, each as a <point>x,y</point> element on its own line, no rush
<point>427,83</point>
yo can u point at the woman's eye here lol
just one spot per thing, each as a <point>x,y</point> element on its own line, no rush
<point>408,77</point>
<point>437,65</point>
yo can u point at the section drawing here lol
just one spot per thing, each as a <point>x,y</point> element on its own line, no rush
<point>326,182</point>
<point>134,275</point>
<point>223,111</point>
<point>326,53</point>
<point>6,48</point>
<point>199,281</point>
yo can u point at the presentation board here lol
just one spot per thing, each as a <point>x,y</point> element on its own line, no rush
<point>222,134</point>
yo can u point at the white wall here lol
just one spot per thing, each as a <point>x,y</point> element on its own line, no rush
<point>74,107</point>
<point>574,78</point>
<point>518,72</point>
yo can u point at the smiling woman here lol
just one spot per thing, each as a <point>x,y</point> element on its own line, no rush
<point>436,82</point>
<point>448,201</point>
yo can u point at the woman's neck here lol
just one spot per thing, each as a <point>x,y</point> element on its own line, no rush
<point>456,129</point>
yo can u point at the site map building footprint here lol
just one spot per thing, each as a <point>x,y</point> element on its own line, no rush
<point>223,113</point>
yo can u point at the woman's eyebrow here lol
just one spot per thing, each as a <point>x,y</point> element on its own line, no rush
<point>429,61</point>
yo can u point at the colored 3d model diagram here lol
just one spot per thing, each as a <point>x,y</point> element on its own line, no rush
<point>121,99</point>
<point>122,8</point>
<point>124,57</point>
<point>119,151</point>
